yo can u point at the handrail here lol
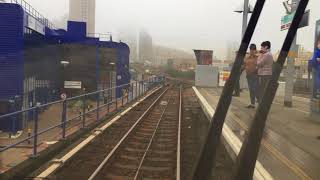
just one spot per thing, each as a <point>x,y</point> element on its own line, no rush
<point>65,121</point>
<point>33,12</point>
<point>60,101</point>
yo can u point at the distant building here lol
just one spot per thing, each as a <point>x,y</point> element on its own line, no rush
<point>130,39</point>
<point>170,63</point>
<point>83,11</point>
<point>145,48</point>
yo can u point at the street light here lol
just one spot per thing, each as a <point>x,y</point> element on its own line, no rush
<point>244,8</point>
<point>64,65</point>
<point>239,9</point>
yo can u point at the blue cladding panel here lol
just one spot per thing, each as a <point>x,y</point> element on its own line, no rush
<point>11,55</point>
<point>77,29</point>
<point>123,65</point>
<point>11,62</point>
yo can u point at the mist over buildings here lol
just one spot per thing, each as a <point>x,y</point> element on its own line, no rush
<point>186,24</point>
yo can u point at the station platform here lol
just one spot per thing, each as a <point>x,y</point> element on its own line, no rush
<point>14,156</point>
<point>291,141</point>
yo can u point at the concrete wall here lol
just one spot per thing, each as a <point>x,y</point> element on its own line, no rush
<point>207,76</point>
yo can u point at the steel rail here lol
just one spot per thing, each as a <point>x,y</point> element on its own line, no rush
<point>151,140</point>
<point>71,153</point>
<point>179,136</point>
<point>102,164</point>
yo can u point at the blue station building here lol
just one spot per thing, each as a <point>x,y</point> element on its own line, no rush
<point>31,52</point>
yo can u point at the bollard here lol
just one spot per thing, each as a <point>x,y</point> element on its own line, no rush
<point>64,119</point>
<point>35,132</point>
<point>84,112</point>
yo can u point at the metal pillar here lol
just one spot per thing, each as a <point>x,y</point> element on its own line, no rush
<point>64,119</point>
<point>290,72</point>
<point>35,132</point>
<point>84,111</point>
<point>250,148</point>
<point>207,159</point>
<point>245,17</point>
<point>98,106</point>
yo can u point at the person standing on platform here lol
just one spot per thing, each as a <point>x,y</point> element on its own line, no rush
<point>250,66</point>
<point>315,62</point>
<point>264,66</point>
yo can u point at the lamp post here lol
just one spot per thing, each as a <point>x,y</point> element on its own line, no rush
<point>245,9</point>
<point>64,65</point>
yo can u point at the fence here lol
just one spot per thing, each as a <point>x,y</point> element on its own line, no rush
<point>86,115</point>
<point>30,10</point>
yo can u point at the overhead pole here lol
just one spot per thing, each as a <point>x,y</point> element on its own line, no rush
<point>247,157</point>
<point>290,71</point>
<point>245,17</point>
<point>207,158</point>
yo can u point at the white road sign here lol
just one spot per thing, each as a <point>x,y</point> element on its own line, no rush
<point>72,84</point>
<point>63,96</point>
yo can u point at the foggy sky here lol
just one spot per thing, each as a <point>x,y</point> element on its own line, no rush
<point>187,24</point>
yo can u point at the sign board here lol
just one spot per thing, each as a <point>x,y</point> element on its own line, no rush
<point>206,76</point>
<point>72,84</point>
<point>292,54</point>
<point>287,20</point>
<point>63,96</point>
<point>35,25</point>
<point>223,77</point>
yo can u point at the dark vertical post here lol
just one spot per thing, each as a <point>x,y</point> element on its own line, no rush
<point>139,89</point>
<point>128,93</point>
<point>98,105</point>
<point>136,90</point>
<point>84,111</point>
<point>64,118</point>
<point>116,99</point>
<point>111,101</point>
<point>131,88</point>
<point>35,132</point>
<point>108,102</point>
<point>206,161</point>
<point>122,98</point>
<point>249,152</point>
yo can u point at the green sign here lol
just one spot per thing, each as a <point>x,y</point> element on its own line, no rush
<point>286,21</point>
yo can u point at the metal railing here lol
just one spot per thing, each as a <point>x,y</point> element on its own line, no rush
<point>101,36</point>
<point>33,12</point>
<point>134,90</point>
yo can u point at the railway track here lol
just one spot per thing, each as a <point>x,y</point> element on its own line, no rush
<point>144,143</point>
<point>151,148</point>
